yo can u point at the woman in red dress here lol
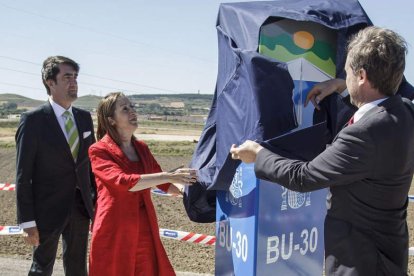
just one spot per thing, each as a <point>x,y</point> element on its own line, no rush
<point>125,234</point>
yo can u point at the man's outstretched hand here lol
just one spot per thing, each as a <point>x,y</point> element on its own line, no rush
<point>323,89</point>
<point>246,152</point>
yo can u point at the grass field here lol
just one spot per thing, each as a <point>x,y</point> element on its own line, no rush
<point>8,130</point>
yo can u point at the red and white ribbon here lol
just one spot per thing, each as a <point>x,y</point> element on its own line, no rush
<point>12,187</point>
<point>162,193</point>
<point>188,236</point>
<point>7,187</point>
<point>165,233</point>
<point>10,230</point>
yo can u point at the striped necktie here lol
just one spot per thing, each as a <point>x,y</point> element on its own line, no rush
<point>72,132</point>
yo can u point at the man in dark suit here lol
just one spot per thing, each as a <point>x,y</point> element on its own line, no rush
<point>368,167</point>
<point>54,185</point>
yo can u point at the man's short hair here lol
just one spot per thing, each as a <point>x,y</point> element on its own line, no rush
<point>381,53</point>
<point>51,69</point>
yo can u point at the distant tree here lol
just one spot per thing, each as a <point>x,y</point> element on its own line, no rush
<point>11,106</point>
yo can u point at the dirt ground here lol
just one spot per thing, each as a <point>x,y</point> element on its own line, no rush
<point>170,211</point>
<point>171,214</point>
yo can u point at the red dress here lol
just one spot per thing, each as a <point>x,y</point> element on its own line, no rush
<point>125,235</point>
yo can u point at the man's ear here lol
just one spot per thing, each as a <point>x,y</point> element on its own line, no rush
<point>362,76</point>
<point>50,83</point>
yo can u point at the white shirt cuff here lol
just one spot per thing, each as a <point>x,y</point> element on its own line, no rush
<point>28,224</point>
<point>344,93</point>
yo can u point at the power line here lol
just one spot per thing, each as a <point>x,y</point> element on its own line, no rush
<point>19,71</point>
<point>149,46</point>
<point>93,76</point>
<point>85,83</point>
<point>21,60</point>
<point>18,85</point>
<point>133,83</point>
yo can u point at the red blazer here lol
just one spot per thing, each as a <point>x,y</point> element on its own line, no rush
<point>115,228</point>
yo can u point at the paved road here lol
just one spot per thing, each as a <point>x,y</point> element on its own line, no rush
<point>168,137</point>
<point>156,137</point>
<point>13,266</point>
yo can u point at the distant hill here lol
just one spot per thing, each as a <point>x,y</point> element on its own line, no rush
<point>21,101</point>
<point>173,97</point>
<point>193,100</point>
<point>87,102</point>
<point>90,102</point>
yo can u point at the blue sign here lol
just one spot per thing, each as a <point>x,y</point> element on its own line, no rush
<point>171,234</point>
<point>14,229</point>
<point>290,231</point>
<point>236,223</point>
<point>265,229</point>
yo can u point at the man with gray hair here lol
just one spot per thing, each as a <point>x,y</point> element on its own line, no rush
<point>368,167</point>
<point>54,183</point>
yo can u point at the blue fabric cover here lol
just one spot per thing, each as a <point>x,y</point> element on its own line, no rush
<point>253,96</point>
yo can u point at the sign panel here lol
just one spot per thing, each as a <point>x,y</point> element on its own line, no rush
<point>263,228</point>
<point>290,231</point>
<point>236,224</point>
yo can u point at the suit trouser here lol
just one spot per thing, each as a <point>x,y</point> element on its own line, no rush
<point>74,245</point>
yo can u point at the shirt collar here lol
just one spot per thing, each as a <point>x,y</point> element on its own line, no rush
<point>58,109</point>
<point>367,107</point>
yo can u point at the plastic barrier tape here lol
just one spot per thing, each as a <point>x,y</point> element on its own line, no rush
<point>10,230</point>
<point>162,193</point>
<point>7,187</point>
<point>165,233</point>
<point>11,187</point>
<point>188,236</point>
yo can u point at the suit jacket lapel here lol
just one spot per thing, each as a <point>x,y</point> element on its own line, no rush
<point>383,106</point>
<point>373,110</point>
<point>56,130</point>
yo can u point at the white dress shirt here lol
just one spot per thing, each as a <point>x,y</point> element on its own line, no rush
<point>58,110</point>
<point>365,108</point>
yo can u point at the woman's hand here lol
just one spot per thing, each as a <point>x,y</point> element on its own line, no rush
<point>176,189</point>
<point>184,176</point>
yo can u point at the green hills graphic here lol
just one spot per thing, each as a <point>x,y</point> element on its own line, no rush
<point>284,49</point>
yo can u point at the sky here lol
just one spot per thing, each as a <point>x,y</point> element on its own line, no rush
<point>134,46</point>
